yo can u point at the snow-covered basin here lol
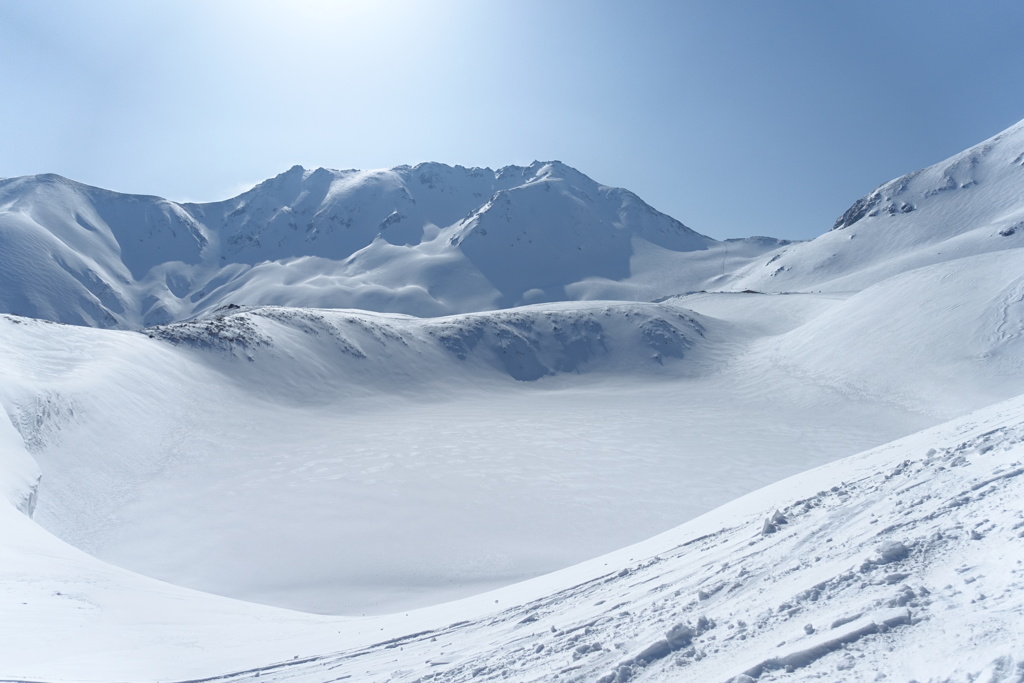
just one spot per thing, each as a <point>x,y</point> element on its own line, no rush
<point>397,504</point>
<point>913,548</point>
<point>381,500</point>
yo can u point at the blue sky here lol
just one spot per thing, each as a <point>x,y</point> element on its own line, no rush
<point>737,117</point>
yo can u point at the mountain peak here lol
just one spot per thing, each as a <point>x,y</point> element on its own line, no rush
<point>425,239</point>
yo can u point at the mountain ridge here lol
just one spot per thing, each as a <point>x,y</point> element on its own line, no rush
<point>969,203</point>
<point>432,239</point>
<point>427,239</point>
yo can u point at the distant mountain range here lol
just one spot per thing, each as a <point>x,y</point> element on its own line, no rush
<point>425,240</point>
<point>433,239</point>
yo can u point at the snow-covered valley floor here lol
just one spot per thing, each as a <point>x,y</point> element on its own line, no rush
<point>864,570</point>
<point>374,501</point>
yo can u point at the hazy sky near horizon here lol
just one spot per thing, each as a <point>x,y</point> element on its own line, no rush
<point>737,117</point>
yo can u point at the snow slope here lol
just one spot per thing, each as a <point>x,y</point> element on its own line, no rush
<point>75,253</point>
<point>914,338</point>
<point>441,457</point>
<point>967,205</point>
<point>904,561</point>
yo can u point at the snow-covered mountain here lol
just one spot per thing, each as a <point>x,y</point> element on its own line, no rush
<point>969,204</point>
<point>424,240</point>
<point>581,373</point>
<point>437,240</point>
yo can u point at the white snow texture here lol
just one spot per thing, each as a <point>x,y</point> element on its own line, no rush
<point>416,424</point>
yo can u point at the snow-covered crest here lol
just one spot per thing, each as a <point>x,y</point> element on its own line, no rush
<point>968,204</point>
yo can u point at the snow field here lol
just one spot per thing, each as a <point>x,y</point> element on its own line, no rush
<point>256,479</point>
<point>825,574</point>
<point>874,564</point>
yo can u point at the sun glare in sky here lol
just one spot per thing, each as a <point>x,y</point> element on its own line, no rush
<point>737,118</point>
